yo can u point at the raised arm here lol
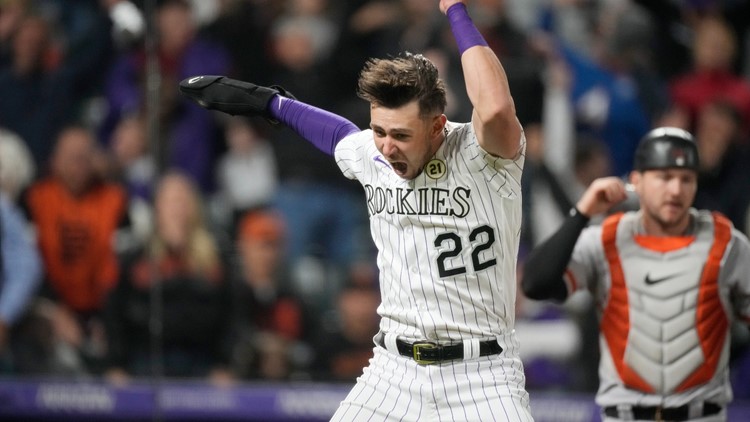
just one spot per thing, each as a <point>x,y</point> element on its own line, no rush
<point>494,117</point>
<point>547,262</point>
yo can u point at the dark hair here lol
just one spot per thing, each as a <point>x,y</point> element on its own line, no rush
<point>393,83</point>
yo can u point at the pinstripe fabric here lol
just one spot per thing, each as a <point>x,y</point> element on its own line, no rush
<point>417,224</point>
<point>395,388</point>
<point>447,245</point>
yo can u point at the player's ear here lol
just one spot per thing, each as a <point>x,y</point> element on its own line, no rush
<point>635,177</point>
<point>438,123</point>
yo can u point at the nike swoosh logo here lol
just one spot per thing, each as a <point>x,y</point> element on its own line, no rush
<point>195,79</point>
<point>380,160</point>
<point>648,280</point>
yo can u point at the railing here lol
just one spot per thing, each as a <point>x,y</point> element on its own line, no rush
<point>53,400</point>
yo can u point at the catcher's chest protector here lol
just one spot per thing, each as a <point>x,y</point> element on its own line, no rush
<point>665,324</point>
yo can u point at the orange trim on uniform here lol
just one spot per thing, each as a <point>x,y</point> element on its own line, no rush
<point>615,322</point>
<point>711,319</point>
<point>570,281</point>
<point>663,244</point>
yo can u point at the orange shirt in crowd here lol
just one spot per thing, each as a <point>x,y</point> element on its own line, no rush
<point>76,235</point>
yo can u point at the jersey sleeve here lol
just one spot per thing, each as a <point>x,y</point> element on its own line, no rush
<point>503,174</point>
<point>588,256</point>
<point>351,151</point>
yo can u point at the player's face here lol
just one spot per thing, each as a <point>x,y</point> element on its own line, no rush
<point>665,196</point>
<point>405,139</point>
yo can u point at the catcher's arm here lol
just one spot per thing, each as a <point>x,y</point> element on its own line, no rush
<point>543,277</point>
<point>321,128</point>
<point>546,264</point>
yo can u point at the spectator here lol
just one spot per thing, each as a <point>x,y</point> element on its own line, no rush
<point>189,132</point>
<point>20,275</point>
<point>241,27</point>
<point>76,234</point>
<point>249,157</point>
<point>522,64</point>
<point>549,149</point>
<point>45,85</point>
<point>712,76</point>
<point>344,345</point>
<point>676,23</point>
<point>12,13</point>
<point>17,168</point>
<point>20,263</point>
<point>133,162</point>
<point>183,258</point>
<point>560,163</point>
<point>271,324</point>
<point>724,173</point>
<point>130,163</point>
<point>325,216</point>
<point>671,46</point>
<point>608,90</point>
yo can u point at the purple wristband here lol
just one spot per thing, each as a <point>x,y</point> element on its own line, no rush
<point>321,128</point>
<point>466,34</point>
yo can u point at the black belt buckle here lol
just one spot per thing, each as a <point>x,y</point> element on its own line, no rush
<point>660,413</point>
<point>419,347</point>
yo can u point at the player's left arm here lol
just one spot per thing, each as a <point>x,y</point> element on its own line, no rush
<point>494,117</point>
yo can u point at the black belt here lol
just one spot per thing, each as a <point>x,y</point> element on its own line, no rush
<point>427,352</point>
<point>658,413</point>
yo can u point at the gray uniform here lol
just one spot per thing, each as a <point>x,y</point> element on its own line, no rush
<point>665,306</point>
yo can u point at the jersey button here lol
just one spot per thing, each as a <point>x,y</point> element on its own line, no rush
<point>413,270</point>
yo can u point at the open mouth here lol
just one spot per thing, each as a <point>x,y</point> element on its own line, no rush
<point>674,207</point>
<point>399,168</point>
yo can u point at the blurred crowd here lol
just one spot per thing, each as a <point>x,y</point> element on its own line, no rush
<point>143,235</point>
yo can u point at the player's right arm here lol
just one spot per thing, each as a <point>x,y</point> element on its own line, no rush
<point>547,262</point>
<point>320,127</point>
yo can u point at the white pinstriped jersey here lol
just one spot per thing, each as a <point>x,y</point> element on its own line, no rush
<point>447,240</point>
<point>666,305</point>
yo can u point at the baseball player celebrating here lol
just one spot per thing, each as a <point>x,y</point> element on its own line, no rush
<point>444,201</point>
<point>668,280</point>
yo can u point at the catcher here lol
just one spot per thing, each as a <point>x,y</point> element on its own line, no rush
<point>668,280</point>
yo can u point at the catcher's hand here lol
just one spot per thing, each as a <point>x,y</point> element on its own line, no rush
<point>231,96</point>
<point>601,195</point>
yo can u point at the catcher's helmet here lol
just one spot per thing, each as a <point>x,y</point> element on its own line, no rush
<point>666,147</point>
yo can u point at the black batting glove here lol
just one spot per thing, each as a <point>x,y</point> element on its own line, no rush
<point>231,96</point>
